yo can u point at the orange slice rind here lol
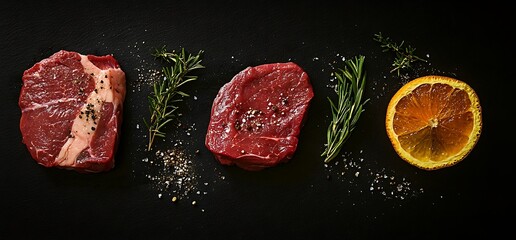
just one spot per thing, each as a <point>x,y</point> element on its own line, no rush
<point>434,121</point>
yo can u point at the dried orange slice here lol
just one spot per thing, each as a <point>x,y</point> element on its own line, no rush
<point>434,122</point>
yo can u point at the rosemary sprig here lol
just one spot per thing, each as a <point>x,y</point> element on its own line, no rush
<point>166,92</point>
<point>404,56</point>
<point>346,112</point>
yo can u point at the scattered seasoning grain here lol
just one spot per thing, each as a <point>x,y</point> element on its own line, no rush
<point>171,172</point>
<point>176,176</point>
<point>382,183</point>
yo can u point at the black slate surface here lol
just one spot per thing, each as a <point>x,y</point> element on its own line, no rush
<point>368,193</point>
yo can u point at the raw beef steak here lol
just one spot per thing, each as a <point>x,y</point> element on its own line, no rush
<point>71,107</point>
<point>256,118</point>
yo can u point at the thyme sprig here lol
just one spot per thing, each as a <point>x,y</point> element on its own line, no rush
<point>404,55</point>
<point>349,106</point>
<point>166,93</point>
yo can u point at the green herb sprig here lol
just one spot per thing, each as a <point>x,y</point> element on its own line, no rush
<point>166,92</point>
<point>404,55</point>
<point>349,106</point>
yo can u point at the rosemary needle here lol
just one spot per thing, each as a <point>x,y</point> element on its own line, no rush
<point>347,110</point>
<point>166,92</point>
<point>404,55</point>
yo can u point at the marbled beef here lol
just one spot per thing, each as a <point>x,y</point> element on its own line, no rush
<point>71,111</point>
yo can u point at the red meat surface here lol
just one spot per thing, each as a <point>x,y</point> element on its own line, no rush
<point>256,118</point>
<point>71,111</point>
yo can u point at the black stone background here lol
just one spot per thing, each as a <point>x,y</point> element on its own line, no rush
<point>303,199</point>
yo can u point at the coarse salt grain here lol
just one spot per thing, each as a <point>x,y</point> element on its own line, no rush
<point>176,175</point>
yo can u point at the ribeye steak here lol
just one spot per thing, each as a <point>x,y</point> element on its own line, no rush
<point>256,118</point>
<point>71,111</point>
